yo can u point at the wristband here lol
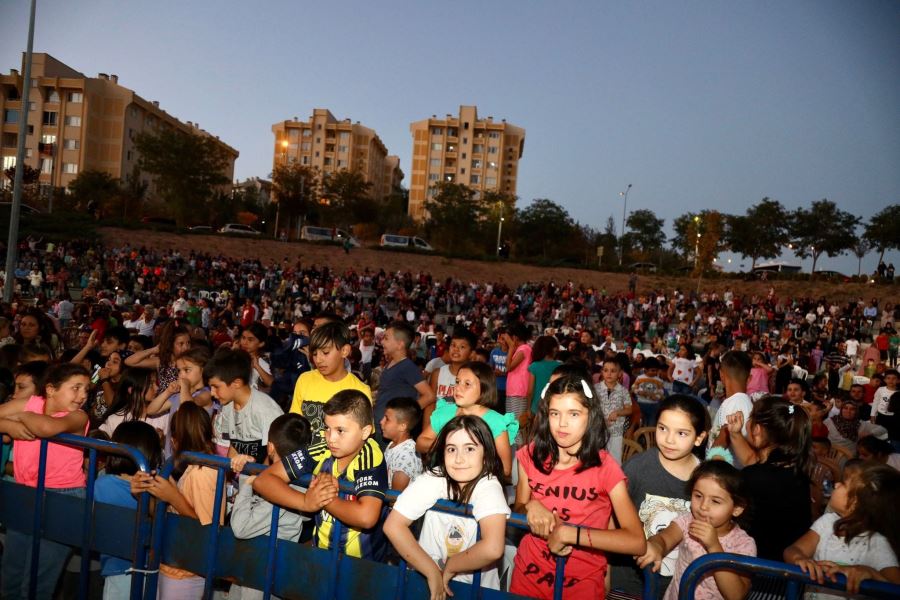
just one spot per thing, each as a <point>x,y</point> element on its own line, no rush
<point>578,536</point>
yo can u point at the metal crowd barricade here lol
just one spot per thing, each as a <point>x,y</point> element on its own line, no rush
<point>791,575</point>
<point>14,509</point>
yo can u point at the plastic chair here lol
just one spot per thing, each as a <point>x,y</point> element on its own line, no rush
<point>646,437</point>
<point>629,449</point>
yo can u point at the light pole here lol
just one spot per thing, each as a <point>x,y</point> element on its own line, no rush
<point>697,242</point>
<point>624,211</point>
<point>499,228</point>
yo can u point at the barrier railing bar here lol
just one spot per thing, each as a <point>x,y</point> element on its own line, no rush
<point>270,554</point>
<point>38,520</point>
<point>475,592</point>
<point>84,580</point>
<point>159,530</point>
<point>212,544</point>
<point>760,566</point>
<point>560,575</point>
<point>335,551</point>
<point>140,546</point>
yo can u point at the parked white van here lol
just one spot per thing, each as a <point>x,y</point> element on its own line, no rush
<point>389,240</point>
<point>324,234</point>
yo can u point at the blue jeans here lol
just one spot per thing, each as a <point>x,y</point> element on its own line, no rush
<point>648,413</point>
<point>679,387</point>
<point>17,561</point>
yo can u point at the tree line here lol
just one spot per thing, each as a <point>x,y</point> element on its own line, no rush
<point>189,185</point>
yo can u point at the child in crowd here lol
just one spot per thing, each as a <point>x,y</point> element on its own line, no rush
<point>57,410</point>
<point>717,503</point>
<point>329,346</point>
<point>174,339</point>
<point>136,389</point>
<point>443,380</point>
<point>777,450</point>
<point>882,396</point>
<point>543,361</point>
<point>29,379</point>
<point>401,417</point>
<point>251,515</point>
<point>859,537</point>
<point>871,448</point>
<point>734,369</point>
<point>657,478</point>
<point>241,427</point>
<point>649,390</point>
<point>348,455</point>
<point>464,469</point>
<point>616,403</point>
<point>253,341</point>
<point>758,384</point>
<point>114,487</point>
<point>517,364</point>
<point>684,372</point>
<point>192,496</point>
<point>400,378</point>
<point>568,453</point>
<point>475,394</point>
<point>497,360</point>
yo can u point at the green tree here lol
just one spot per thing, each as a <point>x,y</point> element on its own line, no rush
<point>710,226</point>
<point>455,217</point>
<point>188,168</point>
<point>883,230</point>
<point>30,179</point>
<point>688,225</point>
<point>294,188</point>
<point>646,231</point>
<point>822,229</point>
<point>759,233</point>
<point>861,247</point>
<point>348,196</point>
<point>95,189</point>
<point>549,229</point>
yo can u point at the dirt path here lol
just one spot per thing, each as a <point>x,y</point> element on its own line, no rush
<point>471,270</point>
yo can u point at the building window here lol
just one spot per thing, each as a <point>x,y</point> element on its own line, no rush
<point>71,168</point>
<point>327,161</point>
<point>437,131</point>
<point>494,135</point>
<point>345,136</point>
<point>304,160</point>
<point>294,135</point>
<point>493,149</point>
<point>318,140</point>
<point>306,146</point>
<point>317,154</point>
<point>492,164</point>
<point>75,97</point>
<point>452,131</point>
<point>465,140</point>
<point>435,162</point>
<point>490,180</point>
<point>462,171</point>
<point>319,126</point>
<point>71,144</point>
<point>449,177</point>
<point>48,139</point>
<point>437,147</point>
<point>28,153</point>
<point>73,121</point>
<point>32,106</point>
<point>342,148</point>
<point>476,164</point>
<point>10,115</point>
<point>50,117</point>
<point>474,179</point>
<point>477,149</point>
<point>307,133</point>
<point>34,83</point>
<point>466,125</point>
<point>342,164</point>
<point>433,176</point>
<point>52,95</point>
<point>451,147</point>
<point>46,165</point>
<point>9,162</point>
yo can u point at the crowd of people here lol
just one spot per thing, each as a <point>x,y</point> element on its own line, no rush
<point>638,429</point>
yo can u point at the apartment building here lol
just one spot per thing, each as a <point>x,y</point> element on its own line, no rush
<point>331,145</point>
<point>480,153</point>
<point>78,123</point>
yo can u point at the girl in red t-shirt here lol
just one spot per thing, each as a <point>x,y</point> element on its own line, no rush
<point>569,486</point>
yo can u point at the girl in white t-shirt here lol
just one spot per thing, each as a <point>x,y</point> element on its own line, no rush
<point>466,470</point>
<point>860,538</point>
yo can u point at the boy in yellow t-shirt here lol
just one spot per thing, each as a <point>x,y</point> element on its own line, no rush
<point>329,346</point>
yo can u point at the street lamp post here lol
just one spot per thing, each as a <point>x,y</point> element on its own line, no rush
<point>499,228</point>
<point>624,211</point>
<point>697,241</point>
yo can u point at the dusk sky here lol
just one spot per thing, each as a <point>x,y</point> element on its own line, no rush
<point>697,104</point>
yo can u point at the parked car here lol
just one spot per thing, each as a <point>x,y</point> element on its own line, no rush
<point>327,234</point>
<point>390,240</point>
<point>239,229</point>
<point>643,267</point>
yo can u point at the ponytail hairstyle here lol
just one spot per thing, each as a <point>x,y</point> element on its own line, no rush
<point>480,433</point>
<point>544,451</point>
<point>788,429</point>
<point>191,429</point>
<point>873,495</point>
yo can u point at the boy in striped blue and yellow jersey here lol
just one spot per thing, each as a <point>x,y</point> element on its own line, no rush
<point>347,455</point>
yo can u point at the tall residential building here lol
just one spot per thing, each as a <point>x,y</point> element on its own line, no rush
<point>78,123</point>
<point>329,145</point>
<point>479,153</point>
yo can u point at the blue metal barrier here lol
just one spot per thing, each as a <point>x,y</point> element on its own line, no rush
<point>139,543</point>
<point>792,575</point>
